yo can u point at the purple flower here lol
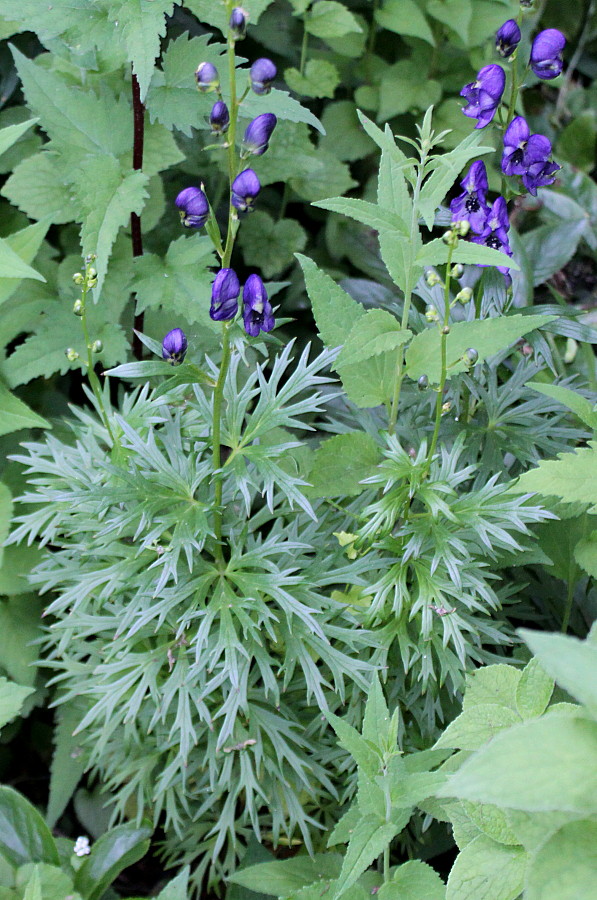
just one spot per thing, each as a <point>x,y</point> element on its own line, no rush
<point>207,77</point>
<point>245,188</point>
<point>219,117</point>
<point>521,148</point>
<point>193,206</point>
<point>546,53</point>
<point>258,133</point>
<point>484,94</point>
<point>471,206</point>
<point>495,233</point>
<point>263,72</point>
<point>257,314</point>
<point>539,174</point>
<point>507,38</point>
<point>174,346</point>
<point>224,295</point>
<point>238,23</point>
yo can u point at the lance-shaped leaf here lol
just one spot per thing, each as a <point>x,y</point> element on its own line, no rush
<point>436,252</point>
<point>377,217</point>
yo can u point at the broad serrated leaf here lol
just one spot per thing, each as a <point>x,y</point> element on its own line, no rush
<point>414,880</point>
<point>487,869</point>
<point>345,827</point>
<point>491,821</point>
<point>436,252</point>
<point>11,134</point>
<point>335,311</point>
<point>534,690</point>
<point>281,877</point>
<point>37,186</point>
<point>404,17</point>
<point>376,332</point>
<point>142,23</point>
<point>12,697</point>
<point>68,760</point>
<point>340,463</point>
<point>368,840</point>
<point>565,866</point>
<point>177,889</point>
<point>572,477</point>
<point>496,684</point>
<point>344,136</point>
<point>271,244</point>
<point>571,662</point>
<point>377,217</point>
<point>330,19</point>
<point>487,337</point>
<point>12,267</point>
<point>108,207</point>
<point>447,167</point>
<point>180,282</point>
<point>585,554</point>
<point>474,727</point>
<point>583,408</point>
<point>16,414</point>
<point>320,79</point>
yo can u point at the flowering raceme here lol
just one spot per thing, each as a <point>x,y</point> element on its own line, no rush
<point>484,94</point>
<point>471,206</point>
<point>546,53</point>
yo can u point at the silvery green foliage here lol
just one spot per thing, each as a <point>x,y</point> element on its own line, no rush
<point>205,683</point>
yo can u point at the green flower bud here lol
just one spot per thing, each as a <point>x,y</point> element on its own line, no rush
<point>464,295</point>
<point>431,314</point>
<point>423,383</point>
<point>78,308</point>
<point>446,329</point>
<point>432,278</point>
<point>470,356</point>
<point>97,347</point>
<point>91,272</point>
<point>456,270</point>
<point>71,354</point>
<point>78,278</point>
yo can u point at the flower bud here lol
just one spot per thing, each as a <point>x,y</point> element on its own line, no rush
<point>262,73</point>
<point>258,133</point>
<point>174,346</point>
<point>470,356</point>
<point>431,314</point>
<point>257,313</point>
<point>423,383</point>
<point>219,118</point>
<point>71,354</point>
<point>432,278</point>
<point>97,347</point>
<point>193,206</point>
<point>91,272</point>
<point>464,295</point>
<point>91,257</point>
<point>78,278</point>
<point>207,77</point>
<point>447,406</point>
<point>456,270</point>
<point>245,188</point>
<point>446,329</point>
<point>546,53</point>
<point>462,228</point>
<point>224,295</point>
<point>78,308</point>
<point>238,23</point>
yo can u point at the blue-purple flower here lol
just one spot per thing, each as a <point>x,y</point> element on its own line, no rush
<point>224,295</point>
<point>471,206</point>
<point>174,346</point>
<point>262,73</point>
<point>258,133</point>
<point>193,206</point>
<point>507,38</point>
<point>219,118</point>
<point>207,77</point>
<point>257,313</point>
<point>546,53</point>
<point>495,233</point>
<point>245,188</point>
<point>238,22</point>
<point>521,148</point>
<point>540,174</point>
<point>484,94</point>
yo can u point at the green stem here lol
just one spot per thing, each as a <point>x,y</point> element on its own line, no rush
<point>304,47</point>
<point>568,607</point>
<point>444,360</point>
<point>217,425</point>
<point>407,299</point>
<point>372,29</point>
<point>386,865</point>
<point>91,374</point>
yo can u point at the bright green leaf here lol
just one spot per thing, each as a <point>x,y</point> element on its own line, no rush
<point>271,244</point>
<point>24,836</point>
<point>114,851</point>
<point>330,19</point>
<point>572,477</point>
<point>376,332</point>
<point>12,697</point>
<point>565,867</point>
<point>571,662</point>
<point>320,79</point>
<point>414,880</point>
<point>340,463</point>
<point>487,869</point>
<point>404,17</point>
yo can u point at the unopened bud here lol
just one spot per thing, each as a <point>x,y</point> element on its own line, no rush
<point>432,278</point>
<point>97,347</point>
<point>447,406</point>
<point>71,354</point>
<point>238,23</point>
<point>446,329</point>
<point>462,228</point>
<point>464,295</point>
<point>470,356</point>
<point>423,383</point>
<point>431,314</point>
<point>78,308</point>
<point>78,278</point>
<point>91,257</point>
<point>456,270</point>
<point>449,236</point>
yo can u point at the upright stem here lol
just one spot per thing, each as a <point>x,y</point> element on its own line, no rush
<point>407,299</point>
<point>91,374</point>
<point>304,45</point>
<point>217,424</point>
<point>136,234</point>
<point>444,360</point>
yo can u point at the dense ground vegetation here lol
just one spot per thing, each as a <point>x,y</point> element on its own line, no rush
<point>298,424</point>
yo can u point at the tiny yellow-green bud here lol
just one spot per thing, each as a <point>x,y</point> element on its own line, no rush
<point>97,347</point>
<point>464,295</point>
<point>456,270</point>
<point>432,278</point>
<point>91,257</point>
<point>78,308</point>
<point>431,314</point>
<point>91,272</point>
<point>78,278</point>
<point>448,236</point>
<point>447,406</point>
<point>470,356</point>
<point>463,227</point>
<point>71,354</point>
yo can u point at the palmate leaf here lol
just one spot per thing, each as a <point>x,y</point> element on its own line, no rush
<point>16,252</point>
<point>340,464</point>
<point>142,23</point>
<point>38,187</point>
<point>80,24</point>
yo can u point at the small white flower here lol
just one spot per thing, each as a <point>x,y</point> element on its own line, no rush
<point>82,847</point>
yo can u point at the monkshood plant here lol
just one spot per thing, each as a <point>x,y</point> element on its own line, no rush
<point>220,581</point>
